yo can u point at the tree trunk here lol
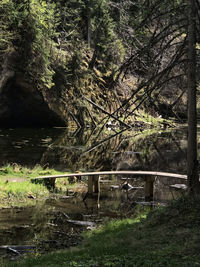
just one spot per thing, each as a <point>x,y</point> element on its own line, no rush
<point>192,163</point>
<point>89,28</point>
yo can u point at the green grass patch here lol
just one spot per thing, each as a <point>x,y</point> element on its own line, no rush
<point>17,186</point>
<point>168,236</point>
<point>15,170</point>
<point>22,189</point>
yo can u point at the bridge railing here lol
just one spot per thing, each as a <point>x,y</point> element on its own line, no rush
<point>94,179</point>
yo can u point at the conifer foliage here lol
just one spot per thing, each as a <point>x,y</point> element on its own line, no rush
<point>28,26</point>
<point>123,55</point>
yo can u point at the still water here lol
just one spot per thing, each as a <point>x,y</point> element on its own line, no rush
<point>52,223</point>
<point>72,150</point>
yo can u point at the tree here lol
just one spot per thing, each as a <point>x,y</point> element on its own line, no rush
<point>164,42</point>
<point>155,35</point>
<point>192,169</point>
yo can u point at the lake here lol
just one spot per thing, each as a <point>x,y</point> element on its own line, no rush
<point>72,150</point>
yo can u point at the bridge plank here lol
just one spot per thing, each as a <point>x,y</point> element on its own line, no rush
<point>151,173</point>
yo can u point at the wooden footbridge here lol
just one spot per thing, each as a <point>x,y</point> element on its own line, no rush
<point>94,178</point>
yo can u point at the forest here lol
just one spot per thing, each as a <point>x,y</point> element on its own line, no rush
<point>71,61</point>
<point>106,65</point>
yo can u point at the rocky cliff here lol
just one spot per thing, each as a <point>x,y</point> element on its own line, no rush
<point>22,104</point>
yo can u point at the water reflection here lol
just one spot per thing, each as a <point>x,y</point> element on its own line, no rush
<point>72,150</point>
<point>65,149</point>
<point>58,222</point>
<point>25,146</point>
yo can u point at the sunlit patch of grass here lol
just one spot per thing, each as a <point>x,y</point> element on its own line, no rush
<point>15,170</point>
<point>16,183</point>
<point>21,191</point>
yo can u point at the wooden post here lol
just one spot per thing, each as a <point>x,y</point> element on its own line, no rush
<point>148,188</point>
<point>90,185</point>
<point>93,184</point>
<point>96,184</point>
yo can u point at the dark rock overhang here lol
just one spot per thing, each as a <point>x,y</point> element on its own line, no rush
<point>22,105</point>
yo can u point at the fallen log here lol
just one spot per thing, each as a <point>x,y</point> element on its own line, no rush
<point>17,249</point>
<point>178,186</point>
<point>14,251</point>
<point>81,223</point>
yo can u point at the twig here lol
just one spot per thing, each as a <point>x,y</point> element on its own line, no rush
<point>65,215</point>
<point>14,251</point>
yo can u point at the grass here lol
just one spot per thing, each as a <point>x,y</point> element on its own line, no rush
<point>16,185</point>
<point>21,190</point>
<point>167,236</point>
<point>15,170</point>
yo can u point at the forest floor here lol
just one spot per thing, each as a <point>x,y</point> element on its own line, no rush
<point>167,236</point>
